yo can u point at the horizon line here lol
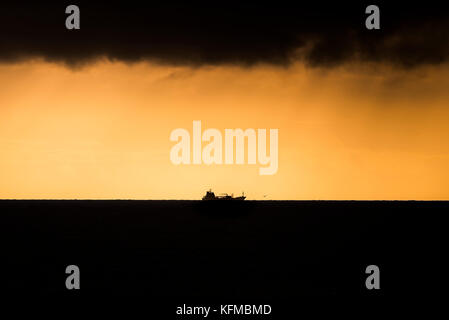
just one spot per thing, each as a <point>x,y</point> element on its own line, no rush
<point>246,200</point>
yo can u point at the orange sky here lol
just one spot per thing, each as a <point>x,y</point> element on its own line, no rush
<point>353,132</point>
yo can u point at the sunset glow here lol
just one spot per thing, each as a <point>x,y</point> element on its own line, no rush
<point>102,131</point>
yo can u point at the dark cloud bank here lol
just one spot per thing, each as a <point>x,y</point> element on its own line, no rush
<point>210,33</point>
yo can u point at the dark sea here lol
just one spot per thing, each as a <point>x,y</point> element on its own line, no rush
<point>222,251</point>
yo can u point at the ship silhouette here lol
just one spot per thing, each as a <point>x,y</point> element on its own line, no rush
<point>211,196</point>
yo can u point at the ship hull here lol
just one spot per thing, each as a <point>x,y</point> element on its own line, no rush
<point>225,199</point>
